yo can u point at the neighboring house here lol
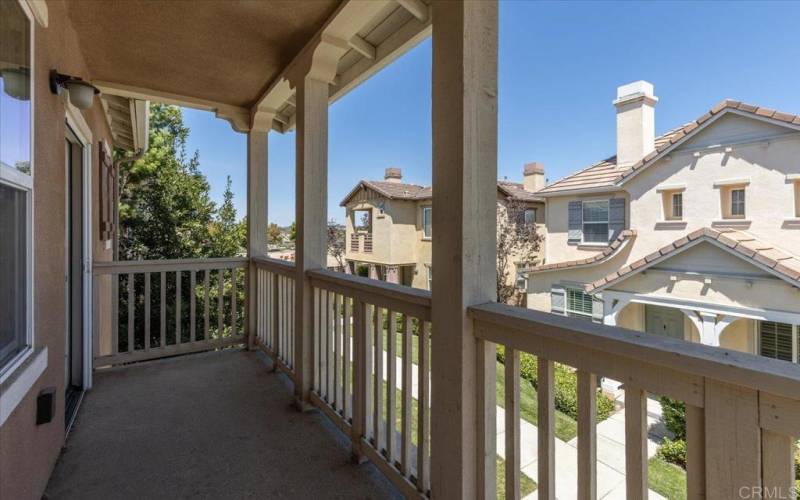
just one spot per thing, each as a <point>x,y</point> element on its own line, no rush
<point>388,234</point>
<point>694,234</point>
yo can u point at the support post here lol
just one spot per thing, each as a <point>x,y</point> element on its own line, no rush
<point>311,213</point>
<point>464,243</point>
<point>256,221</point>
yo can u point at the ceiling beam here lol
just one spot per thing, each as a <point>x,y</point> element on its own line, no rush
<point>417,8</point>
<point>362,46</point>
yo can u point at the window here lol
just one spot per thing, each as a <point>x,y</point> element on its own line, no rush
<point>677,205</point>
<point>16,184</point>
<point>579,304</point>
<point>777,340</point>
<point>426,222</point>
<point>737,202</point>
<point>530,216</point>
<point>362,221</point>
<point>595,221</point>
<point>430,276</point>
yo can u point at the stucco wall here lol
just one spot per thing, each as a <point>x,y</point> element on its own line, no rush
<point>739,336</point>
<point>28,452</point>
<point>761,153</point>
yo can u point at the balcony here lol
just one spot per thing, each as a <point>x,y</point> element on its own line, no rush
<point>193,417</point>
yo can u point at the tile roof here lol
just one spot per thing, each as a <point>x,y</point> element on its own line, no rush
<point>403,191</point>
<point>615,247</point>
<point>784,265</point>
<point>607,173</point>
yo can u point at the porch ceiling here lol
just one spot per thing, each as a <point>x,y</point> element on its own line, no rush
<point>227,52</point>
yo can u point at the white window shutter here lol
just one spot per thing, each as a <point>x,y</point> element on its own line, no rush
<point>558,301</point>
<point>597,309</point>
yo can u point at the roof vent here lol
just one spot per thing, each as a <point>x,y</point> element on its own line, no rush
<point>393,174</point>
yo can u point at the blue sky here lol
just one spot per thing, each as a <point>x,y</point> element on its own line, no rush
<point>560,65</point>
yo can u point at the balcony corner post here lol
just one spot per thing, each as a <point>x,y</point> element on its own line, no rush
<point>257,220</point>
<point>464,245</point>
<point>311,213</point>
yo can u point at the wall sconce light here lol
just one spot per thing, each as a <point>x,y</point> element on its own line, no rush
<point>16,83</point>
<point>81,93</point>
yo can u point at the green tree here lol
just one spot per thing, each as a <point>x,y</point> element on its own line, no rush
<point>228,236</point>
<point>164,209</point>
<point>273,234</point>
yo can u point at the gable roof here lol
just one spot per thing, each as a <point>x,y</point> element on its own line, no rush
<point>745,246</point>
<point>403,191</point>
<point>606,174</point>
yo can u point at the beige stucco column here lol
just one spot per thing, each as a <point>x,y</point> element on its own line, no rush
<point>464,254</point>
<point>256,219</point>
<point>311,215</point>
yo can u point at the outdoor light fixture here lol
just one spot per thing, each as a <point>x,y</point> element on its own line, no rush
<point>81,93</point>
<point>16,83</point>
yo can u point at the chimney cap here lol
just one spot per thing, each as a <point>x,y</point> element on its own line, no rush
<point>533,168</point>
<point>639,89</point>
<point>393,173</point>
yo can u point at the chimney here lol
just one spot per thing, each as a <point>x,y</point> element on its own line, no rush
<point>636,121</point>
<point>533,177</point>
<point>393,174</point>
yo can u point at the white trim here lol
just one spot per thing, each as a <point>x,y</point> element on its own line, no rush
<point>21,385</point>
<point>80,128</point>
<point>670,187</point>
<point>793,177</point>
<point>38,9</point>
<point>741,181</point>
<point>737,311</point>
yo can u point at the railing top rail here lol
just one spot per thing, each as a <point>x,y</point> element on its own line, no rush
<point>400,298</point>
<point>279,266</point>
<point>734,367</point>
<point>142,266</point>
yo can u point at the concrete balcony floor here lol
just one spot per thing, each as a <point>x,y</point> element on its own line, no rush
<point>213,425</point>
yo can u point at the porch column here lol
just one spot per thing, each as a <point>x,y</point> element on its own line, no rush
<point>256,219</point>
<point>311,215</point>
<point>463,447</point>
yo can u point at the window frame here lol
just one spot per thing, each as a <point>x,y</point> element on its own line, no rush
<point>676,209</point>
<point>529,210</point>
<point>734,202</point>
<point>607,223</point>
<point>20,181</point>
<point>427,235</point>
<point>356,229</point>
<point>574,313</point>
<point>795,341</point>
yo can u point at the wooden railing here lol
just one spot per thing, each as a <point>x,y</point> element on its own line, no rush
<point>742,411</point>
<point>275,297</point>
<point>371,341</point>
<point>166,307</point>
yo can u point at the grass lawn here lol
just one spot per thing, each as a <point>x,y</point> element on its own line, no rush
<point>666,479</point>
<point>527,485</point>
<point>566,427</point>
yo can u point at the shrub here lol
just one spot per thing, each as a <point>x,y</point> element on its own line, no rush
<point>797,462</point>
<point>673,452</point>
<point>565,386</point>
<point>674,414</point>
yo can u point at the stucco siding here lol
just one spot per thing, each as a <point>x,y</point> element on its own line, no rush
<point>27,451</point>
